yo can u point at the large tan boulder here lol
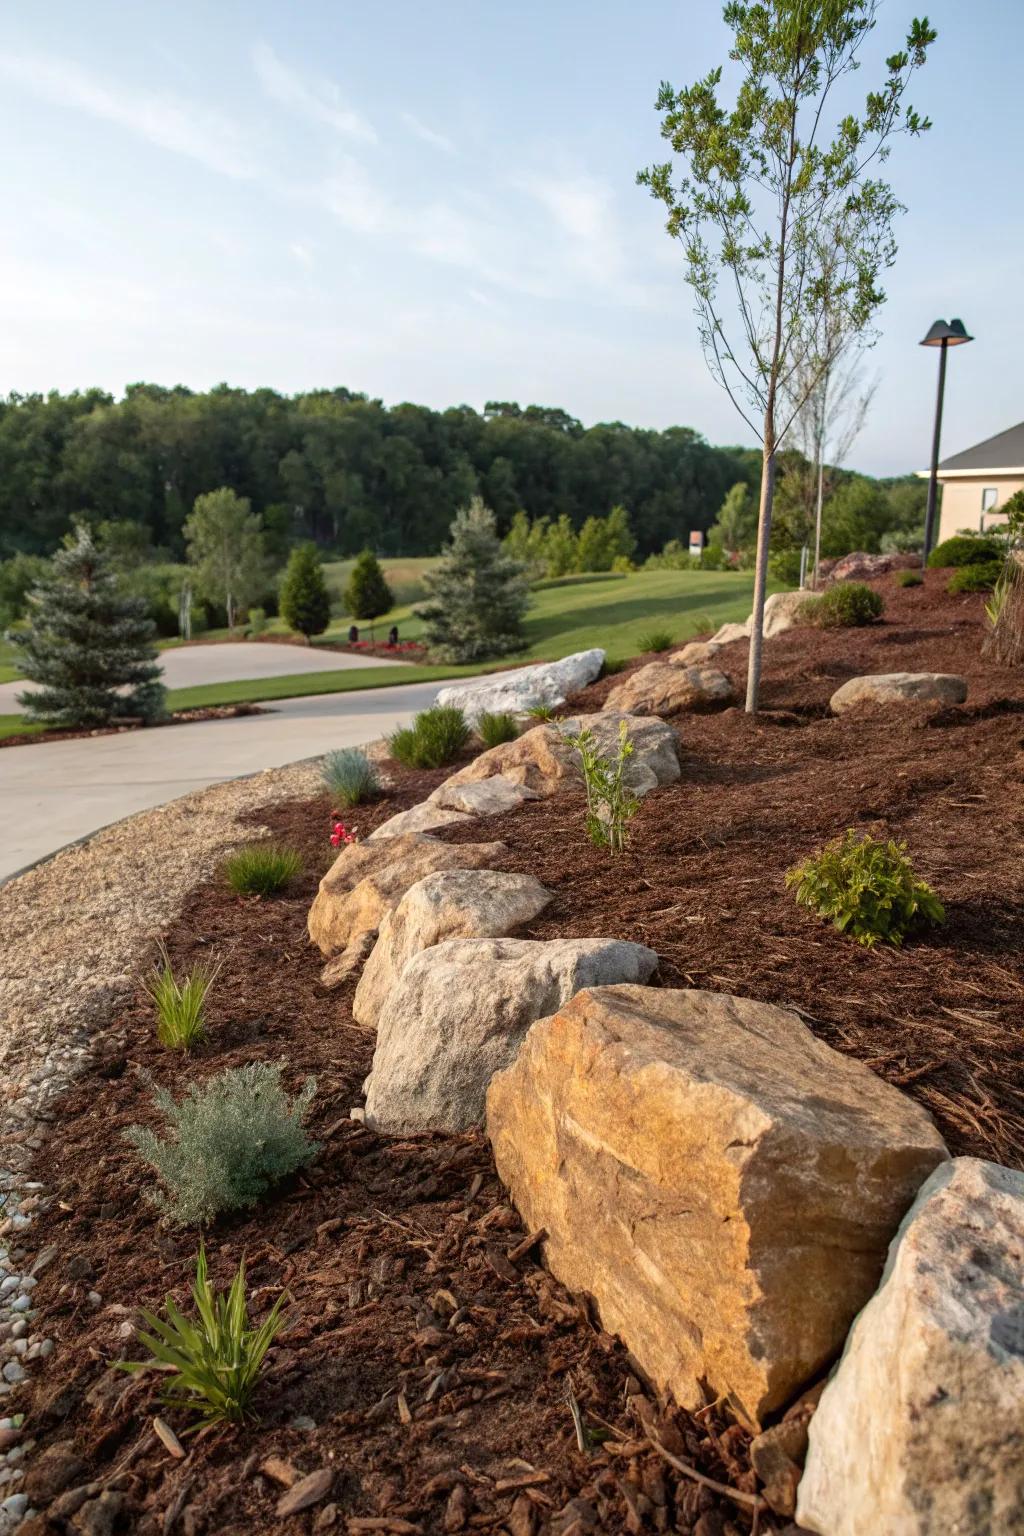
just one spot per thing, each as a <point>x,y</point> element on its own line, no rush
<point>487,797</point>
<point>664,688</point>
<point>899,688</point>
<point>720,1181</point>
<point>920,1432</point>
<point>368,879</point>
<point>782,612</point>
<point>697,653</point>
<point>451,904</point>
<point>545,760</point>
<point>460,1012</point>
<point>428,816</point>
<point>728,634</point>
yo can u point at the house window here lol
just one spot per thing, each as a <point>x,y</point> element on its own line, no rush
<point>989,497</point>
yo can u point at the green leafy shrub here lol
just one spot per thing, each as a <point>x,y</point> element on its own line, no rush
<point>350,776</point>
<point>257,621</point>
<point>610,804</point>
<point>261,869</point>
<point>975,578</point>
<point>216,1360</point>
<point>231,1140</point>
<point>867,888</point>
<point>180,1005</point>
<point>654,640</point>
<point>909,579</point>
<point>965,549</point>
<point>435,737</point>
<point>494,729</point>
<point>847,605</point>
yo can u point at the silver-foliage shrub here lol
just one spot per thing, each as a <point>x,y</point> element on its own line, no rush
<point>232,1138</point>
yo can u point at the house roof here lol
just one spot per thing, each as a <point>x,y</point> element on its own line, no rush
<point>1003,452</point>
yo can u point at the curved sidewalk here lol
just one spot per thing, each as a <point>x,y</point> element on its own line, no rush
<point>55,793</point>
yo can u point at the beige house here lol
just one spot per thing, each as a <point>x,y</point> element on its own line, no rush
<point>977,482</point>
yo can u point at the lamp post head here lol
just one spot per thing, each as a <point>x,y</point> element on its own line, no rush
<point>952,335</point>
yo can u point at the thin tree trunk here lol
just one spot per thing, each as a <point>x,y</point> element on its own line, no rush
<point>764,531</point>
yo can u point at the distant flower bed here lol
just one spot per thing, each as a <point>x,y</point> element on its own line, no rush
<point>403,648</point>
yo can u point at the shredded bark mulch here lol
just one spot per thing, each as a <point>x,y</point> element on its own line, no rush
<point>432,1366</point>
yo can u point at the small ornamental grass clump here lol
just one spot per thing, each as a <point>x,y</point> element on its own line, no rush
<point>974,578</point>
<point>654,640</point>
<point>867,888</point>
<point>350,776</point>
<point>435,737</point>
<point>261,869</point>
<point>848,605</point>
<point>909,579</point>
<point>216,1358</point>
<point>180,1004</point>
<point>610,803</point>
<point>493,729</point>
<point>541,712</point>
<point>231,1140</point>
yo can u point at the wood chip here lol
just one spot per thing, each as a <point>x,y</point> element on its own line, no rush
<point>168,1439</point>
<point>306,1493</point>
<point>523,1480</point>
<point>280,1471</point>
<point>357,1523</point>
<point>404,1411</point>
<point>530,1241</point>
<point>501,1266</point>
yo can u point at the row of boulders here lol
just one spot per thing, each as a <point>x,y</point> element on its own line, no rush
<point>721,1182</point>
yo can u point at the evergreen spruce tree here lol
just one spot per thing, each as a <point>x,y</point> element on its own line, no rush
<point>88,644</point>
<point>477,594</point>
<point>305,600</point>
<point>367,595</point>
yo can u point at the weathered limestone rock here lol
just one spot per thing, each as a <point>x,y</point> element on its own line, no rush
<point>452,904</point>
<point>545,760</point>
<point>888,688</point>
<point>351,960</point>
<point>488,797</point>
<point>729,633</point>
<point>425,817</point>
<point>782,612</point>
<point>663,688</point>
<point>460,1012</point>
<point>721,1182</point>
<point>860,566</point>
<point>549,682</point>
<point>920,1432</point>
<point>696,654</point>
<point>368,879</point>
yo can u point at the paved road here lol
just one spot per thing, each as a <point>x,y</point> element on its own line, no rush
<point>55,792</point>
<point>190,666</point>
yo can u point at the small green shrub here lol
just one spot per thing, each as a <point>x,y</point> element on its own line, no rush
<point>435,737</point>
<point>975,578</point>
<point>494,729</point>
<point>909,579</point>
<point>847,605</point>
<point>180,1005</point>
<point>541,712</point>
<point>654,640</point>
<point>257,621</point>
<point>231,1139</point>
<point>216,1359</point>
<point>867,888</point>
<point>350,776</point>
<point>262,869</point>
<point>965,549</point>
<point>610,804</point>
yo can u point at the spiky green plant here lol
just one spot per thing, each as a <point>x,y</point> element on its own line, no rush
<point>610,803</point>
<point>180,1005</point>
<point>261,869</point>
<point>867,888</point>
<point>494,729</point>
<point>350,776</point>
<point>541,712</point>
<point>216,1360</point>
<point>436,736</point>
<point>654,640</point>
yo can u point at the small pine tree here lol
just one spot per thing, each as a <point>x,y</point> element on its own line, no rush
<point>367,595</point>
<point>305,600</point>
<point>477,594</point>
<point>88,645</point>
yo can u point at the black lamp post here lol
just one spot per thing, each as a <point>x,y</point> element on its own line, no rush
<point>942,336</point>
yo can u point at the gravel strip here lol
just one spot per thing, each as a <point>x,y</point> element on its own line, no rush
<point>73,931</point>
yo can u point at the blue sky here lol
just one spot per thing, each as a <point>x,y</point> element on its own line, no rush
<point>437,203</point>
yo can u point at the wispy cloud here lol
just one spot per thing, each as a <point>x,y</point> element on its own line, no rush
<point>173,123</point>
<point>302,254</point>
<point>583,209</point>
<point>312,97</point>
<point>428,135</point>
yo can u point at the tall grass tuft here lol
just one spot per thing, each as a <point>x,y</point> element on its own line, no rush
<point>493,729</point>
<point>216,1359</point>
<point>654,640</point>
<point>262,869</point>
<point>436,737</point>
<point>350,776</point>
<point>180,1005</point>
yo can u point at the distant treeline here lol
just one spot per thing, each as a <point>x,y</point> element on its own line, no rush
<point>341,469</point>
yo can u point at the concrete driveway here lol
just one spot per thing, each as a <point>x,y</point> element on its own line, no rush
<point>190,666</point>
<point>53,793</point>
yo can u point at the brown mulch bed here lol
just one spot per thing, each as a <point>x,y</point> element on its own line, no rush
<point>433,1355</point>
<point>176,717</point>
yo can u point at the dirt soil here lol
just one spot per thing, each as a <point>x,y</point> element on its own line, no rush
<point>430,1360</point>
